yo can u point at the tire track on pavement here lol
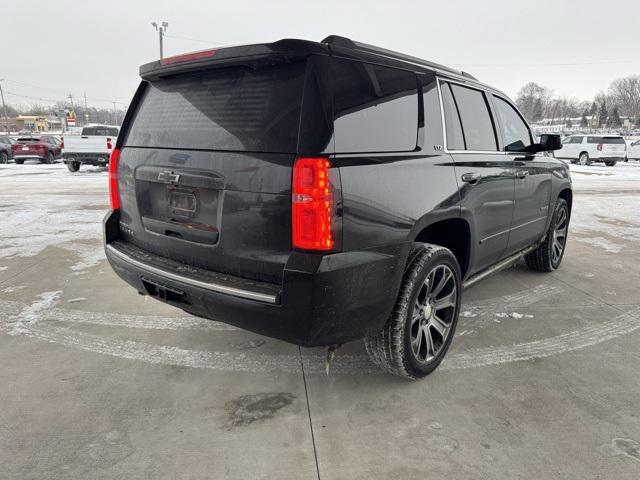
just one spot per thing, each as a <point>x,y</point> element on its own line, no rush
<point>33,321</point>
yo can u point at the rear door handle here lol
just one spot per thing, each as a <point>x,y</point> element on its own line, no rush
<point>471,177</point>
<point>522,173</point>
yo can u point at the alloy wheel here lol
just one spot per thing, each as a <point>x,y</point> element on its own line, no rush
<point>559,235</point>
<point>433,314</point>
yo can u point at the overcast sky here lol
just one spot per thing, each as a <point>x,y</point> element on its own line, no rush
<point>54,47</point>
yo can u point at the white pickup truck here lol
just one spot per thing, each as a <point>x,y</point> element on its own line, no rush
<point>92,147</point>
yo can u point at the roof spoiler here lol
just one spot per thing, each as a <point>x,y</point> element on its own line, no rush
<point>344,42</point>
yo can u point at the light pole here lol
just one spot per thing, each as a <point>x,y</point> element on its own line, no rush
<point>161,29</point>
<point>4,108</point>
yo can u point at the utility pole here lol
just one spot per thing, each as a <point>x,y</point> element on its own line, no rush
<point>4,107</point>
<point>161,29</point>
<point>71,101</point>
<point>86,110</point>
<point>115,114</point>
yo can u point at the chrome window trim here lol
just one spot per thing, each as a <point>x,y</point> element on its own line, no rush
<point>214,287</point>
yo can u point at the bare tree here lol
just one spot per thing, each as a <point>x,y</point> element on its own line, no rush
<point>532,100</point>
<point>625,94</point>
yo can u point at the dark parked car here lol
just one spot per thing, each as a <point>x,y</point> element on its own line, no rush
<point>45,148</point>
<point>378,186</point>
<point>6,153</point>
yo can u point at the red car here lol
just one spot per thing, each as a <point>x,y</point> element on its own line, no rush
<point>45,148</point>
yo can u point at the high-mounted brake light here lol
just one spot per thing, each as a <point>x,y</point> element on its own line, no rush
<point>188,57</point>
<point>114,194</point>
<point>312,204</point>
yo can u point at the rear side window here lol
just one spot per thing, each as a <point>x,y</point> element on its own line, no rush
<point>375,108</point>
<point>613,140</point>
<point>577,139</point>
<point>238,109</point>
<point>477,126</point>
<point>515,133</point>
<point>455,138</point>
<point>99,131</point>
<point>594,139</point>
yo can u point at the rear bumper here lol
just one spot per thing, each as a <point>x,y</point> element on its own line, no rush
<point>29,157</point>
<point>86,158</point>
<point>323,299</point>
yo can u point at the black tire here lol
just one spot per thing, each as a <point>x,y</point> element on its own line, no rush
<point>574,161</point>
<point>73,166</point>
<point>392,347</point>
<point>544,258</point>
<point>610,164</point>
<point>19,162</point>
<point>49,158</point>
<point>4,158</point>
<point>584,159</point>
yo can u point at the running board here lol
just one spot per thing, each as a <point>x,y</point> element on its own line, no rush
<point>497,267</point>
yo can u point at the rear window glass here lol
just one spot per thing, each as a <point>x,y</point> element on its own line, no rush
<point>375,108</point>
<point>238,109</point>
<point>100,131</point>
<point>613,140</point>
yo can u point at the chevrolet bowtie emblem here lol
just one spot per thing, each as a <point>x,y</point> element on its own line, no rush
<point>168,177</point>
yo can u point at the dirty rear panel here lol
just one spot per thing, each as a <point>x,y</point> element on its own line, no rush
<point>205,169</point>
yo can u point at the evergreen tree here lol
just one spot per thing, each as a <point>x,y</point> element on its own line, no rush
<point>614,119</point>
<point>569,124</point>
<point>602,114</point>
<point>583,121</point>
<point>593,109</point>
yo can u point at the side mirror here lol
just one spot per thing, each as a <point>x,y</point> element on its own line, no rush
<point>549,142</point>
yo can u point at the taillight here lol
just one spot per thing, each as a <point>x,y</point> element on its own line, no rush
<point>109,146</point>
<point>599,147</point>
<point>312,204</point>
<point>114,195</point>
<point>61,142</point>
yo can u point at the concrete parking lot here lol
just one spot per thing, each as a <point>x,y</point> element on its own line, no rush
<point>97,382</point>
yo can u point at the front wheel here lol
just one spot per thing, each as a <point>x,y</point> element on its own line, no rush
<point>548,255</point>
<point>4,158</point>
<point>49,160</point>
<point>420,329</point>
<point>19,162</point>
<point>610,164</point>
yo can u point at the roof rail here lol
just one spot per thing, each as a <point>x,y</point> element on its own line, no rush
<point>348,43</point>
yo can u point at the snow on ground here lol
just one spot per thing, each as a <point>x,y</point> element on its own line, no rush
<point>44,205</point>
<point>606,205</point>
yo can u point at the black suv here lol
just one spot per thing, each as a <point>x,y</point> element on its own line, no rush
<point>325,192</point>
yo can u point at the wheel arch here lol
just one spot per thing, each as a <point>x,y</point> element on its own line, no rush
<point>567,195</point>
<point>452,233</point>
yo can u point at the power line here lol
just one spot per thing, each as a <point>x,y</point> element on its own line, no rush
<point>39,87</point>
